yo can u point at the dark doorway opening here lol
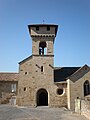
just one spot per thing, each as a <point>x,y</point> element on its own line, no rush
<point>42,98</point>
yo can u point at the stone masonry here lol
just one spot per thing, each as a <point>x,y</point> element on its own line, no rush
<point>32,79</point>
<point>38,82</point>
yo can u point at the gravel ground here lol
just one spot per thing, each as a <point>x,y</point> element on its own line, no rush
<point>8,112</point>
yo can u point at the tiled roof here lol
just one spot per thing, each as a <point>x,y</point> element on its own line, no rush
<point>79,73</point>
<point>61,73</point>
<point>9,76</point>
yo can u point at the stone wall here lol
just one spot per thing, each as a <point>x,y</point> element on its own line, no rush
<point>6,91</point>
<point>83,107</point>
<point>42,30</point>
<point>76,88</point>
<point>32,80</point>
<point>49,45</point>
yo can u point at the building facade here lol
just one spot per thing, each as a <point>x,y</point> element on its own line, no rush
<point>39,83</point>
<point>36,84</point>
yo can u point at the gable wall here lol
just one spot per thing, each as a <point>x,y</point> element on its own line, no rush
<point>76,89</point>
<point>35,80</point>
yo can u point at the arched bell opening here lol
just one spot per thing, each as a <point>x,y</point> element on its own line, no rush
<point>42,48</point>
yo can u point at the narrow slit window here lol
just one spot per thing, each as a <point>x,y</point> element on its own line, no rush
<point>25,89</point>
<point>41,68</point>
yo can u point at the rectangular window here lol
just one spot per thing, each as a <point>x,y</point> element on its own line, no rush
<point>48,28</point>
<point>13,87</point>
<point>41,68</point>
<point>37,28</point>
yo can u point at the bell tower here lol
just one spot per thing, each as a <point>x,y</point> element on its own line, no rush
<point>43,36</point>
<point>36,71</point>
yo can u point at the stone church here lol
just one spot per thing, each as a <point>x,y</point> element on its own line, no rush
<point>38,82</point>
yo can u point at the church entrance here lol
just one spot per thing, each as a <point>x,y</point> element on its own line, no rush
<point>42,98</point>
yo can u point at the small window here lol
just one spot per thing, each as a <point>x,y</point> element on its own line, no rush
<point>13,87</point>
<point>59,91</point>
<point>37,28</point>
<point>41,68</point>
<point>26,73</point>
<point>48,28</point>
<point>25,88</point>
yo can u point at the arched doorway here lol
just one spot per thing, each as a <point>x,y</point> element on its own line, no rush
<point>42,98</point>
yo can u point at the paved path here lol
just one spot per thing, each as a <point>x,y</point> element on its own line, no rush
<point>8,112</point>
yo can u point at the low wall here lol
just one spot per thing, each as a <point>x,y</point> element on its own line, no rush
<point>83,107</point>
<point>6,97</point>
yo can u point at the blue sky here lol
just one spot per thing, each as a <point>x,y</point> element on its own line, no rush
<point>72,44</point>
